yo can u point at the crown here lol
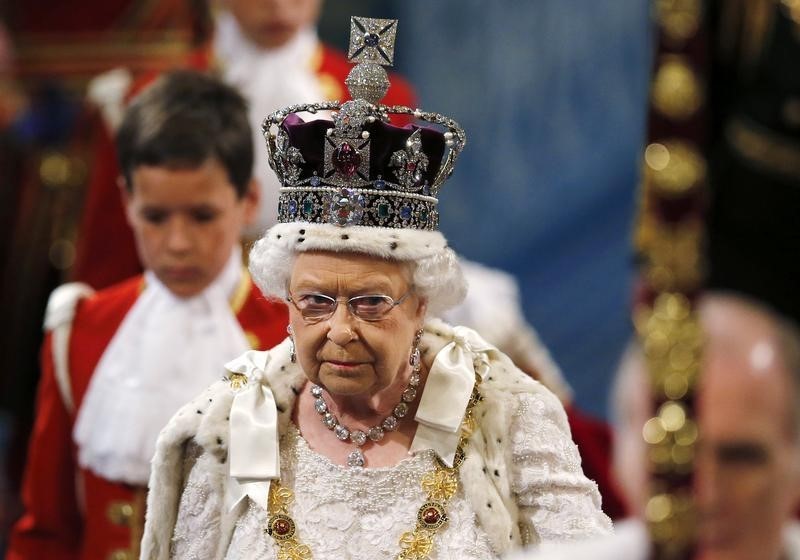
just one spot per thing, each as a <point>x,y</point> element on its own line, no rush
<point>358,168</point>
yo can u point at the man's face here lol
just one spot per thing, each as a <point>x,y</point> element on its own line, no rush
<point>272,23</point>
<point>186,222</point>
<point>746,468</point>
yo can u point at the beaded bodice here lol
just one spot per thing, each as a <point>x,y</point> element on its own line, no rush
<point>345,512</point>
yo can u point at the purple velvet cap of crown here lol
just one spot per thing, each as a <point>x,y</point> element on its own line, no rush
<point>385,139</point>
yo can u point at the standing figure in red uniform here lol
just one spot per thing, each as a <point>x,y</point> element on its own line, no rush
<point>270,51</point>
<point>116,364</point>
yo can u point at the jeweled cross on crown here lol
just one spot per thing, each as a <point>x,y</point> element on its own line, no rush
<point>371,47</point>
<point>372,40</point>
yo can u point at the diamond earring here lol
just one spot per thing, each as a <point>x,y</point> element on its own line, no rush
<point>292,353</point>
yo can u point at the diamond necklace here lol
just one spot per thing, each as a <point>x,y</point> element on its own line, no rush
<point>375,433</point>
<point>439,485</point>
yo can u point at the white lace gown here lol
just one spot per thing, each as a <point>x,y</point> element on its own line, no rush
<point>353,513</point>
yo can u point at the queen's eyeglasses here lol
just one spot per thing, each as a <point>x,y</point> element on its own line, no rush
<point>371,307</point>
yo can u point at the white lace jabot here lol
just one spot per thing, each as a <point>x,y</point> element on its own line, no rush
<point>269,79</point>
<point>166,350</point>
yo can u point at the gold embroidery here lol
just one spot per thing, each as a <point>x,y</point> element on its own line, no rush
<point>253,340</point>
<point>137,524</point>
<point>676,92</point>
<point>415,545</point>
<point>331,87</point>
<point>674,167</point>
<point>120,513</point>
<point>130,515</point>
<point>674,257</point>
<point>242,290</point>
<point>440,484</point>
<point>238,380</point>
<point>121,554</point>
<point>765,148</point>
<point>679,19</point>
<point>672,342</point>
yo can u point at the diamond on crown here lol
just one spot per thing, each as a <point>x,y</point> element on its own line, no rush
<point>347,208</point>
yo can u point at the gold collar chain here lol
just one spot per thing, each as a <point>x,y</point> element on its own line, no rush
<point>440,485</point>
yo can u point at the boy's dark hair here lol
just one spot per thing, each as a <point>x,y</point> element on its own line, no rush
<point>182,120</point>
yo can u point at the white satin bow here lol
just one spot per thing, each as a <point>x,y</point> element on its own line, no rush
<point>254,454</point>
<point>447,392</point>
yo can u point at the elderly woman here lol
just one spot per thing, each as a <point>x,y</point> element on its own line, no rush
<point>373,430</point>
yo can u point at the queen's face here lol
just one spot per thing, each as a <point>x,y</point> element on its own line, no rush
<point>346,355</point>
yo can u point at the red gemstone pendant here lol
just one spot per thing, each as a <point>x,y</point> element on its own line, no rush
<point>281,526</point>
<point>431,515</point>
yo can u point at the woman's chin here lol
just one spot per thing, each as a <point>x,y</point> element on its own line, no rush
<point>346,381</point>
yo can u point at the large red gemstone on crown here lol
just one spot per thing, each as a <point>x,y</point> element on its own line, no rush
<point>345,159</point>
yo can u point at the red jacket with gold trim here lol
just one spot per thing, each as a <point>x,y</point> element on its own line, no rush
<point>70,513</point>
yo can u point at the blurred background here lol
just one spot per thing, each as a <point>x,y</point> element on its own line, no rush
<point>552,94</point>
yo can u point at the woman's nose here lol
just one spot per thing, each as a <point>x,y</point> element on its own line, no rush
<point>341,325</point>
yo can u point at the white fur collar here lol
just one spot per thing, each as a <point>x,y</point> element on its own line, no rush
<point>203,424</point>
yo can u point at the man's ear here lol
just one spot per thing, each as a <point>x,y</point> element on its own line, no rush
<point>125,195</point>
<point>251,201</point>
